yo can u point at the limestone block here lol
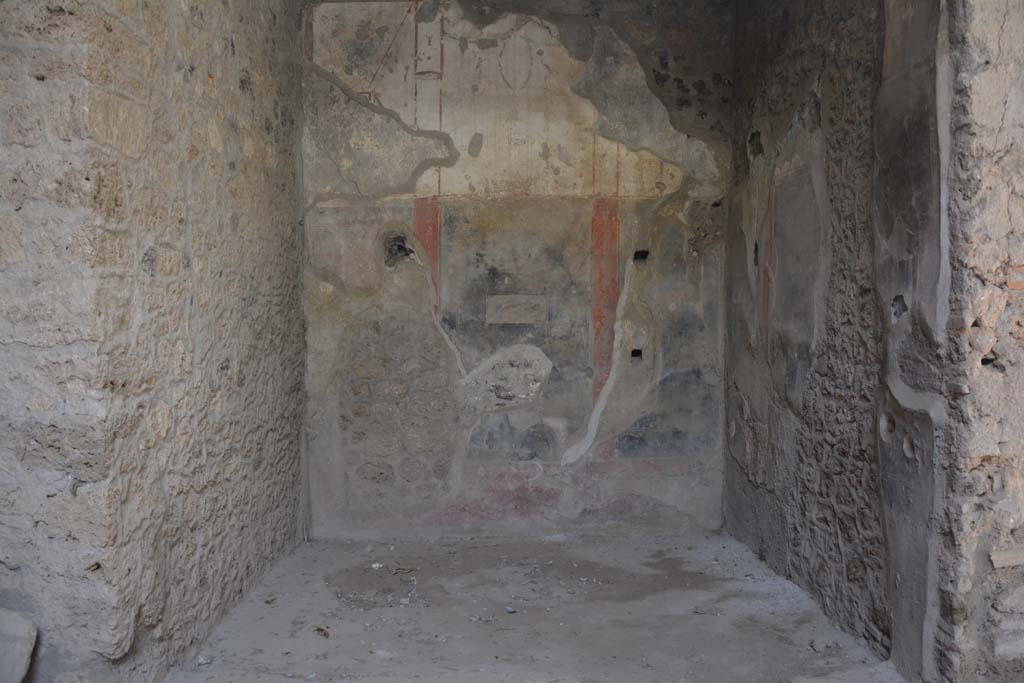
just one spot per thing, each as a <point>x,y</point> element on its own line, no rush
<point>118,122</point>
<point>22,125</point>
<point>17,640</point>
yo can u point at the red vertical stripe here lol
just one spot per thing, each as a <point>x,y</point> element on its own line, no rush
<point>604,285</point>
<point>415,68</point>
<point>427,225</point>
<point>440,97</point>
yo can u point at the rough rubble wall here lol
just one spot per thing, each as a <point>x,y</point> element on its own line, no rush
<point>982,587</point>
<point>152,337</point>
<point>803,337</point>
<point>513,263</point>
<point>61,186</point>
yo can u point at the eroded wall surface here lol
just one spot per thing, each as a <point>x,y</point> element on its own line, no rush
<point>939,494</point>
<point>803,328</point>
<point>152,336</point>
<point>513,261</point>
<point>60,185</point>
<point>981,636</point>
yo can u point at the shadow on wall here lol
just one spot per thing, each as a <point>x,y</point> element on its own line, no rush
<point>804,335</point>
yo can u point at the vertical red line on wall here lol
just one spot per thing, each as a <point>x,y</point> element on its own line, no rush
<point>440,98</point>
<point>593,158</point>
<point>618,166</point>
<point>427,227</point>
<point>415,67</point>
<point>604,285</point>
<point>441,47</point>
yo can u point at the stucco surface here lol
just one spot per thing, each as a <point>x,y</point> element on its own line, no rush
<point>522,321</point>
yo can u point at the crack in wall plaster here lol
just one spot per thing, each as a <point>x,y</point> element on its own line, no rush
<point>579,449</point>
<point>647,137</point>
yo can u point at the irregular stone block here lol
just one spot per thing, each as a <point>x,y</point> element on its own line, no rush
<point>17,640</point>
<point>1011,557</point>
<point>119,123</point>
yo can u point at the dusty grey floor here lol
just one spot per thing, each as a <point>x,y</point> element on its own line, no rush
<point>600,608</point>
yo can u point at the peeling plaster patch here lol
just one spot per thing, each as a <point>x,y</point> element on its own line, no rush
<point>354,149</point>
<point>684,48</point>
<point>370,45</point>
<point>396,248</point>
<point>476,143</point>
<point>628,112</point>
<point>512,376</point>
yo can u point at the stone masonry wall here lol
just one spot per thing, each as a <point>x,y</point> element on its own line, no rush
<point>61,187</point>
<point>981,634</point>
<point>152,338</point>
<point>513,236</point>
<point>803,339</point>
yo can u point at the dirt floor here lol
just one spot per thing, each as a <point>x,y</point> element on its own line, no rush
<point>609,607</point>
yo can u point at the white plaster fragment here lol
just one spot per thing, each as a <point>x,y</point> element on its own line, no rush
<point>512,376</point>
<point>582,447</point>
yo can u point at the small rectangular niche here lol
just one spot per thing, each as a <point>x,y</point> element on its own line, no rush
<point>636,354</point>
<point>640,255</point>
